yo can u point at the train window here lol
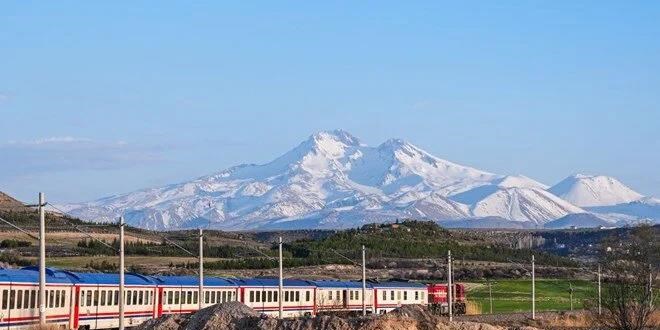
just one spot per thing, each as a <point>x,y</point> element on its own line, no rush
<point>129,297</point>
<point>141,298</point>
<point>19,300</point>
<point>176,297</point>
<point>109,301</point>
<point>103,292</point>
<point>357,294</point>
<point>33,300</point>
<point>275,293</point>
<point>338,295</point>
<point>96,298</point>
<point>169,297</point>
<point>116,299</point>
<point>286,295</point>
<point>416,295</point>
<point>207,296</point>
<point>392,295</point>
<point>350,294</point>
<point>88,301</point>
<point>307,295</point>
<point>329,295</point>
<point>270,296</point>
<point>258,296</point>
<point>214,297</point>
<point>195,297</point>
<point>384,295</point>
<point>151,297</point>
<point>51,299</point>
<point>251,296</point>
<point>297,295</point>
<point>189,297</point>
<point>405,295</point>
<point>58,294</point>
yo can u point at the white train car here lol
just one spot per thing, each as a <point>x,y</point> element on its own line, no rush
<point>262,295</point>
<point>341,296</point>
<point>179,294</point>
<point>97,300</point>
<point>19,296</point>
<point>393,294</point>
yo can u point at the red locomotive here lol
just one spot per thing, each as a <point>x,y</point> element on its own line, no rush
<point>438,298</point>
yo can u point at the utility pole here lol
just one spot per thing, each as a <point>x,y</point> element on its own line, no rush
<point>450,300</point>
<point>201,269</point>
<point>121,273</point>
<point>599,306</point>
<point>364,282</point>
<point>42,260</point>
<point>570,291</point>
<point>533,291</point>
<point>281,284</point>
<point>490,296</point>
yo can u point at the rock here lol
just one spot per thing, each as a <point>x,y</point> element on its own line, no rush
<point>166,322</point>
<point>230,316</point>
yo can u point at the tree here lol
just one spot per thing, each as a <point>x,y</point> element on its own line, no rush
<point>630,262</point>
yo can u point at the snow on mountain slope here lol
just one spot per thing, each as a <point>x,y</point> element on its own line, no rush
<point>476,194</point>
<point>332,180</point>
<point>523,204</point>
<point>594,190</point>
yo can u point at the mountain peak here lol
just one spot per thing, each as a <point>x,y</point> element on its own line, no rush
<point>594,190</point>
<point>337,135</point>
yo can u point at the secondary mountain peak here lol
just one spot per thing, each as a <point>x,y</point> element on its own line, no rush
<point>594,190</point>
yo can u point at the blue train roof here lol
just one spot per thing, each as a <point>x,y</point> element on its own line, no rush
<point>31,275</point>
<point>192,281</point>
<point>272,282</point>
<point>337,284</point>
<point>397,284</point>
<point>105,278</point>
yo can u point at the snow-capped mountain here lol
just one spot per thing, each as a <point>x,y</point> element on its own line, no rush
<point>594,190</point>
<point>333,180</point>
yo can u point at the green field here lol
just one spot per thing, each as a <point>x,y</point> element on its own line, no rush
<point>515,295</point>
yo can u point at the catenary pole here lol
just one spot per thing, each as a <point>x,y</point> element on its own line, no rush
<point>280,298</point>
<point>450,291</point>
<point>599,296</point>
<point>364,282</point>
<point>42,260</point>
<point>533,291</point>
<point>121,273</point>
<point>490,296</point>
<point>201,268</point>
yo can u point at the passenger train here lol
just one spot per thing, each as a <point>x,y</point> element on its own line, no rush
<point>91,300</point>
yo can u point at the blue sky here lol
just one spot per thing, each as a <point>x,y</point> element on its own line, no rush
<point>103,98</point>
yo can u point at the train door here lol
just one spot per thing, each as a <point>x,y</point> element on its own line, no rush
<point>75,307</point>
<point>160,299</point>
<point>4,303</point>
<point>344,299</point>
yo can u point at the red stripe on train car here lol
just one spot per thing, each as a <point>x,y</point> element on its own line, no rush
<point>76,308</point>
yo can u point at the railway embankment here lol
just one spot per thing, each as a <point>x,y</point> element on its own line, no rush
<point>237,316</point>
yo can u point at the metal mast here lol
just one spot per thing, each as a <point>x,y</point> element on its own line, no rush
<point>201,268</point>
<point>280,298</point>
<point>121,273</point>
<point>450,295</point>
<point>533,291</point>
<point>364,282</point>
<point>42,260</point>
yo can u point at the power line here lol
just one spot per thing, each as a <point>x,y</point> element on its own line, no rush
<point>82,231</point>
<point>19,229</point>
